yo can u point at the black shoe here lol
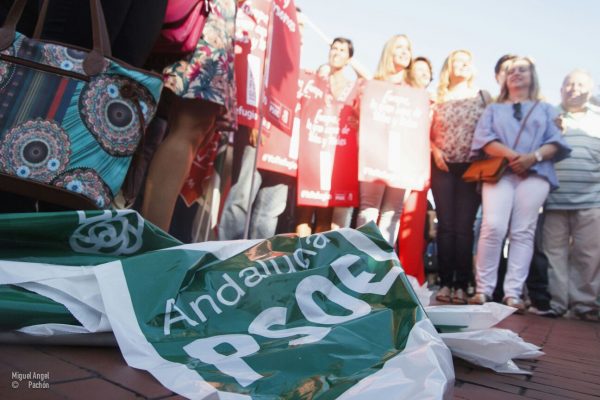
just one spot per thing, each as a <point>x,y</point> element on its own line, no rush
<point>549,312</point>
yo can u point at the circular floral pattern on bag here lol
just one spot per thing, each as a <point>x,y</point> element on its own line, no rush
<point>64,58</point>
<point>110,107</point>
<point>87,182</point>
<point>36,149</point>
<point>6,69</point>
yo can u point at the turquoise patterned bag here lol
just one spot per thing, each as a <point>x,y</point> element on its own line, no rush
<point>70,118</point>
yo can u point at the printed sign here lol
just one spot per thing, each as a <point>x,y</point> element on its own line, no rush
<point>282,71</point>
<point>394,136</point>
<point>251,30</point>
<point>327,167</point>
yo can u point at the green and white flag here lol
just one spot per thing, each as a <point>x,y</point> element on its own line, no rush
<point>327,316</point>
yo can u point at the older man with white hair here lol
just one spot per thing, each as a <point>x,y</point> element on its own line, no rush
<point>572,225</point>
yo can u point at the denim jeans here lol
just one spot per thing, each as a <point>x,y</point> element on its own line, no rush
<point>381,204</point>
<point>456,203</point>
<point>267,204</point>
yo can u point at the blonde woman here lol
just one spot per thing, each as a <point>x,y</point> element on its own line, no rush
<point>378,202</point>
<point>512,204</point>
<point>457,108</point>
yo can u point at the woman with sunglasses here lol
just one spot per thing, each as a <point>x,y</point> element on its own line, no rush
<point>512,204</point>
<point>457,109</point>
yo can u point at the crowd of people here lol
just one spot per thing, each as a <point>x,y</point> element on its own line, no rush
<point>552,153</point>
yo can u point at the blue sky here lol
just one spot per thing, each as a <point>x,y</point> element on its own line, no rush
<point>560,35</point>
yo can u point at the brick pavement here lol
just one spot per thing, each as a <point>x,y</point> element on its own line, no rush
<point>569,370</point>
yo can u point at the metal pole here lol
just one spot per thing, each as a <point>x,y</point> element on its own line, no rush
<point>265,73</point>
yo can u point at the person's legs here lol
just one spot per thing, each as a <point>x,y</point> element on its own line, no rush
<point>442,187</point>
<point>287,221</point>
<point>304,217</point>
<point>466,203</point>
<point>341,217</point>
<point>268,206</point>
<point>584,274</point>
<point>556,236</point>
<point>389,217</point>
<point>530,194</point>
<point>190,122</point>
<point>411,237</point>
<point>323,219</point>
<point>497,201</point>
<point>235,209</point>
<point>371,196</point>
<point>537,280</point>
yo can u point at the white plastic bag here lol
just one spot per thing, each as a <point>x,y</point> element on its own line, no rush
<point>421,291</point>
<point>491,348</point>
<point>453,318</point>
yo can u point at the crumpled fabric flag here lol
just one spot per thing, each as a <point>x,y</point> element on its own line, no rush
<point>327,316</point>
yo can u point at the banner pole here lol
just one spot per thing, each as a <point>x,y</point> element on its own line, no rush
<point>265,77</point>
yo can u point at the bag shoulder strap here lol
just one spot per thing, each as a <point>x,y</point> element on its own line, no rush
<point>483,100</point>
<point>94,61</point>
<point>523,123</point>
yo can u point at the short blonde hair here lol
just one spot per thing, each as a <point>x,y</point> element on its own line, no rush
<point>386,67</point>
<point>446,72</point>
<point>534,88</point>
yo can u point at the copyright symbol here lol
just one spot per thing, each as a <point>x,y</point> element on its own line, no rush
<point>15,384</point>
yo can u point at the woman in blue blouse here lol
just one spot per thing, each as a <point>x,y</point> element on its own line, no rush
<point>512,204</point>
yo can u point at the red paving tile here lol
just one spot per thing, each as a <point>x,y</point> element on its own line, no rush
<point>93,389</point>
<point>569,370</point>
<point>111,366</point>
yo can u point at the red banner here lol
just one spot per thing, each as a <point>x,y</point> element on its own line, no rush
<point>279,151</point>
<point>251,29</point>
<point>200,172</point>
<point>282,72</point>
<point>394,135</point>
<point>327,166</point>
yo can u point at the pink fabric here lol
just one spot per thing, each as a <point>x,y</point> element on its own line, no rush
<point>187,20</point>
<point>178,9</point>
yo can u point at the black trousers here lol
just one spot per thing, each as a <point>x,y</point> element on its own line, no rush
<point>456,203</point>
<point>537,280</point>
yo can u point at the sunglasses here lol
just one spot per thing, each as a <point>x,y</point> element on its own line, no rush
<point>517,112</point>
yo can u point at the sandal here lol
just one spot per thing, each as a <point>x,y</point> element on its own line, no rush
<point>459,297</point>
<point>480,298</point>
<point>443,295</point>
<point>588,316</point>
<point>516,303</point>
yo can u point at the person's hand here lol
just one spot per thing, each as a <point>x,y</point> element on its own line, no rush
<point>521,163</point>
<point>560,123</point>
<point>438,158</point>
<point>254,137</point>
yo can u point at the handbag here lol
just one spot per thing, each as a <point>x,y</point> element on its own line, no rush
<point>70,119</point>
<point>491,169</point>
<point>183,26</point>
